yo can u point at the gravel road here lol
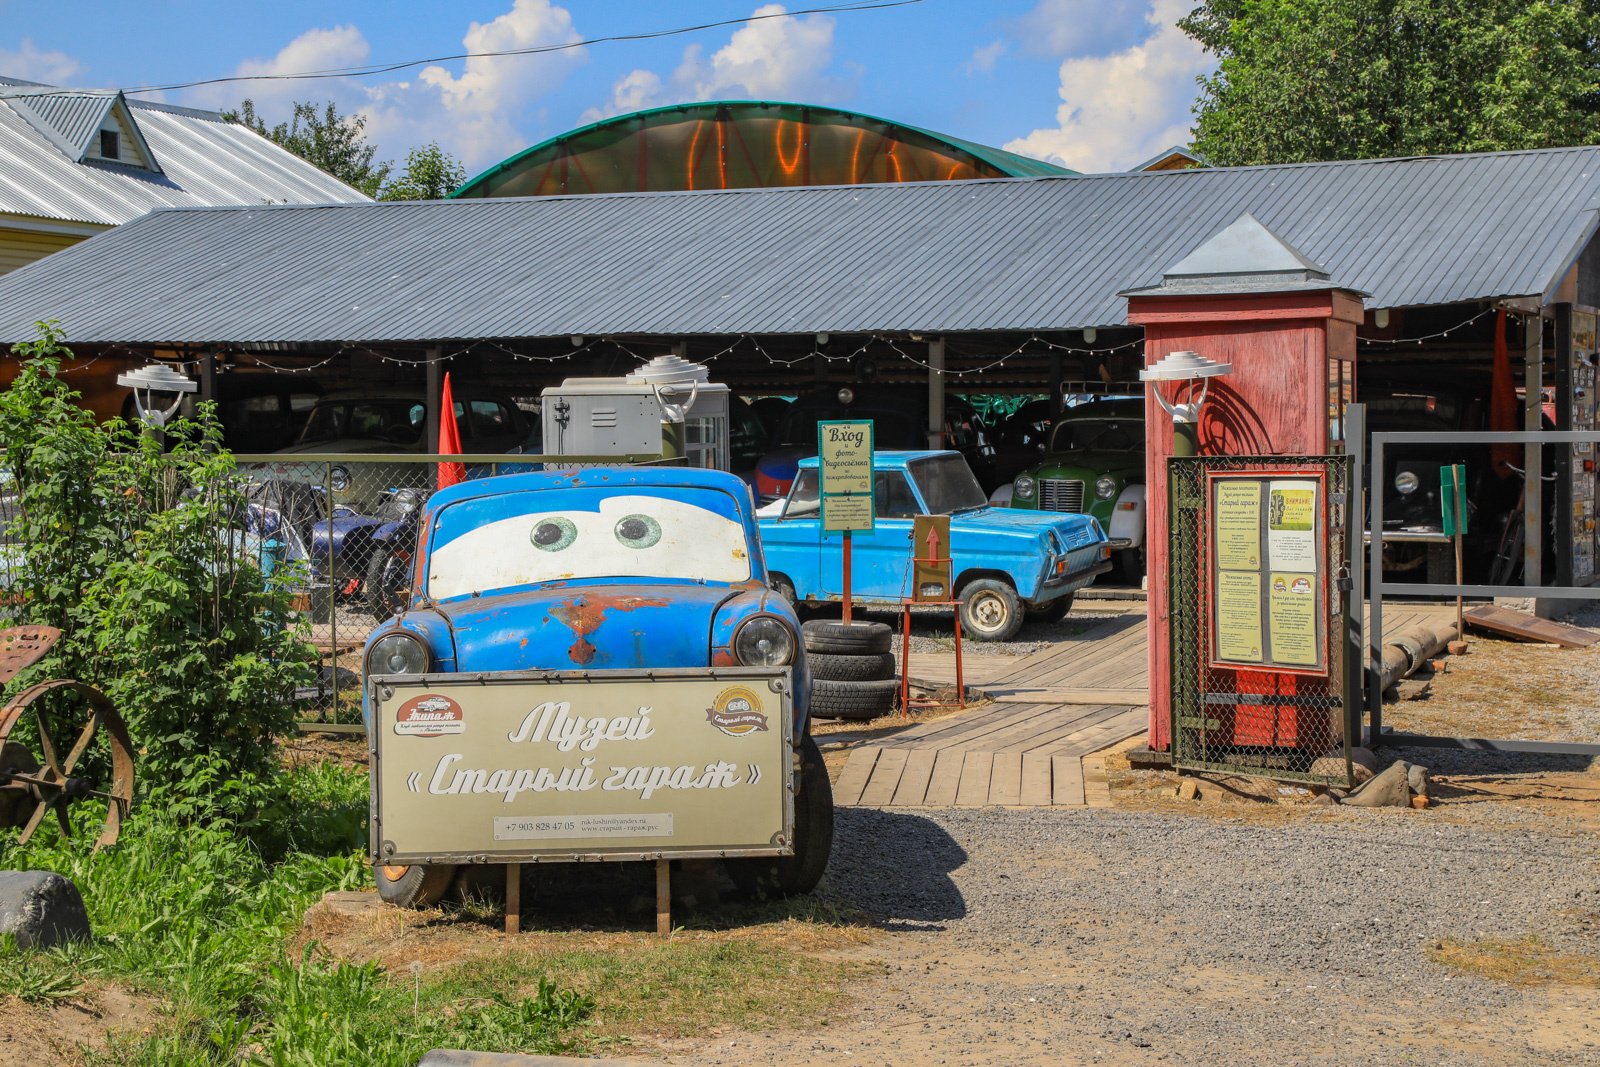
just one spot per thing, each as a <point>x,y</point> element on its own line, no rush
<point>1102,936</point>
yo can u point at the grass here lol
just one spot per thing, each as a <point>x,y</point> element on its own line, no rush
<point>206,922</point>
<point>1524,961</point>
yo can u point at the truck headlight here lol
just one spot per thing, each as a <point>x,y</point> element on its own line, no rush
<point>764,642</point>
<point>1105,487</point>
<point>397,653</point>
<point>1024,485</point>
<point>1406,482</point>
<point>339,478</point>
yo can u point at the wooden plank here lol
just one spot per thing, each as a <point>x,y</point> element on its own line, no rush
<point>1129,723</point>
<point>1525,627</point>
<point>973,790</point>
<point>1061,733</point>
<point>913,787</point>
<point>1035,791</point>
<point>1005,779</point>
<point>853,779</point>
<point>946,777</point>
<point>1048,724</point>
<point>885,778</point>
<point>1061,695</point>
<point>1066,780</point>
<point>944,732</point>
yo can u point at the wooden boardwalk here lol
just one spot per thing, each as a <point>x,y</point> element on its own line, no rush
<point>1047,711</point>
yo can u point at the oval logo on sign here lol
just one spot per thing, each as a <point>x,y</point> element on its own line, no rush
<point>429,715</point>
<point>736,711</point>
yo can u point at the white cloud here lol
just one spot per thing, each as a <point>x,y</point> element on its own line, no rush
<point>1077,27</point>
<point>783,58</point>
<point>471,112</point>
<point>1122,108</point>
<point>28,63</point>
<point>985,57</point>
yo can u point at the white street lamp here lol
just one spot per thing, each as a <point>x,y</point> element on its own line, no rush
<point>150,380</point>
<point>1184,367</point>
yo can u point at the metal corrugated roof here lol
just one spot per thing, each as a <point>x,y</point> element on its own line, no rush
<point>66,120</point>
<point>1017,254</point>
<point>204,161</point>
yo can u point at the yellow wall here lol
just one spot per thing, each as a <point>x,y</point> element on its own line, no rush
<point>18,247</point>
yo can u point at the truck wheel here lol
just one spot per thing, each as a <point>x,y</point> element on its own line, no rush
<point>832,667</point>
<point>846,638</point>
<point>785,876</point>
<point>990,610</point>
<point>1130,564</point>
<point>1054,611</point>
<point>785,588</point>
<point>415,886</point>
<point>388,582</point>
<point>853,700</point>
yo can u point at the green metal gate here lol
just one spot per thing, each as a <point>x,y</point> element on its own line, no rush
<point>1266,721</point>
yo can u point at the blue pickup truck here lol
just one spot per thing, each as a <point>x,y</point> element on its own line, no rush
<point>1007,565</point>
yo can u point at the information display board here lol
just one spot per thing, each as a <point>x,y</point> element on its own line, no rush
<point>844,457</point>
<point>1268,572</point>
<point>602,765</point>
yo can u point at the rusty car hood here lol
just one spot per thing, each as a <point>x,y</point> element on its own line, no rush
<point>587,627</point>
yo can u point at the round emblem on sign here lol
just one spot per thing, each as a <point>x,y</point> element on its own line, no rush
<point>429,715</point>
<point>737,711</point>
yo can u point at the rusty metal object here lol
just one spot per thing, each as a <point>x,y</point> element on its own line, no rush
<point>31,786</point>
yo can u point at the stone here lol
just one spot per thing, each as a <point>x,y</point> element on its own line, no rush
<point>1419,802</point>
<point>1417,779</point>
<point>1365,762</point>
<point>1456,648</point>
<point>1413,689</point>
<point>1389,789</point>
<point>1324,800</point>
<point>41,909</point>
<point>1188,789</point>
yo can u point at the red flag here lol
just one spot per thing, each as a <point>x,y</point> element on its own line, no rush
<point>1503,414</point>
<point>449,439</point>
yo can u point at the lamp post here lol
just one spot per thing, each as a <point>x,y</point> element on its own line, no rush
<point>150,380</point>
<point>1184,367</point>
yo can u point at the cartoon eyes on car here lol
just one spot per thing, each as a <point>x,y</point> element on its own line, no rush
<point>555,533</point>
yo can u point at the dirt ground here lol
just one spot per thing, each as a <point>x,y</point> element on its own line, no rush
<point>34,1035</point>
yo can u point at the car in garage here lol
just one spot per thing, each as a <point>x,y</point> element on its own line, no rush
<point>1006,564</point>
<point>1094,465</point>
<point>603,571</point>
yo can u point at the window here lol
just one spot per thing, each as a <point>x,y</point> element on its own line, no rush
<point>806,500</point>
<point>892,496</point>
<point>489,419</point>
<point>109,147</point>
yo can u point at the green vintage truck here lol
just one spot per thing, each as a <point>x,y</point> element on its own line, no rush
<point>1094,464</point>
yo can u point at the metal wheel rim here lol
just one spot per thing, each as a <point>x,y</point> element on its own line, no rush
<point>988,612</point>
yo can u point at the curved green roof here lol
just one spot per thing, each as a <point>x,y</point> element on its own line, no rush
<point>743,144</point>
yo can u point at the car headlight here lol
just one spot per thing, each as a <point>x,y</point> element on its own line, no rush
<point>1024,485</point>
<point>764,642</point>
<point>339,478</point>
<point>1406,482</point>
<point>1105,487</point>
<point>397,653</point>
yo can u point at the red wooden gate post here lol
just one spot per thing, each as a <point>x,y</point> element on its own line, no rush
<point>1247,298</point>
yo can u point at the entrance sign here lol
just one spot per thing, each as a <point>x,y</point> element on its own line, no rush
<point>1268,609</point>
<point>609,765</point>
<point>844,458</point>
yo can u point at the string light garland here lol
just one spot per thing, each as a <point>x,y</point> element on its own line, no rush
<point>1427,336</point>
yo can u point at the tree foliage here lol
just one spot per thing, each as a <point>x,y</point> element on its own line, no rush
<point>429,173</point>
<point>1304,80</point>
<point>324,138</point>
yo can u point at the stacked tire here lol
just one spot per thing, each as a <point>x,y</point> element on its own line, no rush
<point>853,673</point>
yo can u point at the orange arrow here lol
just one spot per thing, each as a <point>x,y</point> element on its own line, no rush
<point>933,545</point>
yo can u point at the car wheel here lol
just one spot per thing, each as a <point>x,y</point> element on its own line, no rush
<point>990,610</point>
<point>847,638</point>
<point>785,588</point>
<point>1054,611</point>
<point>415,886</point>
<point>388,582</point>
<point>784,876</point>
<point>831,667</point>
<point>1130,564</point>
<point>853,700</point>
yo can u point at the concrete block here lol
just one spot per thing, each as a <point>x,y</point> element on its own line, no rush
<point>41,909</point>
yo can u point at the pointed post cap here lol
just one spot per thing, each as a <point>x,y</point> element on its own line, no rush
<point>1243,257</point>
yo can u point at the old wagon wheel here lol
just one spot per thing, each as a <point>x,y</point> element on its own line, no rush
<point>36,785</point>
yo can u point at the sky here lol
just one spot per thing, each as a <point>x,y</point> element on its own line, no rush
<point>1095,85</point>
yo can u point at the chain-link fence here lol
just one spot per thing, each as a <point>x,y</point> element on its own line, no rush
<point>1258,557</point>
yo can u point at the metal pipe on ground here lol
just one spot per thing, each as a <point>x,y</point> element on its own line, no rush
<point>1405,652</point>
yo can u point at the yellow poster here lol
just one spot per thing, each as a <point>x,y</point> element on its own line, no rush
<point>1291,525</point>
<point>1238,614</point>
<point>1292,618</point>
<point>1238,510</point>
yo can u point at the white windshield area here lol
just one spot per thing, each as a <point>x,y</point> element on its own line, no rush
<point>628,537</point>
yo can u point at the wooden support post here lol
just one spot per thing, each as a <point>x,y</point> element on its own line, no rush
<point>664,897</point>
<point>513,898</point>
<point>846,576</point>
<point>1533,454</point>
<point>435,396</point>
<point>936,394</point>
<point>208,376</point>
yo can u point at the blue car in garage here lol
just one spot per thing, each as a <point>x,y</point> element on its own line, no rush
<point>1006,564</point>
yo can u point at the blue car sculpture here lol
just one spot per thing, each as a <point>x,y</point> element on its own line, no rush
<point>1006,565</point>
<point>603,570</point>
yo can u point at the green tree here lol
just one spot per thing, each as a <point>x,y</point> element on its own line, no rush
<point>336,143</point>
<point>1302,80</point>
<point>430,173</point>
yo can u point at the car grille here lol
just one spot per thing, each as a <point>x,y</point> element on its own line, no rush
<point>1057,494</point>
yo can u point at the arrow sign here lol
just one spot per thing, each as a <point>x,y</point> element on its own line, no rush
<point>755,774</point>
<point>415,782</point>
<point>933,543</point>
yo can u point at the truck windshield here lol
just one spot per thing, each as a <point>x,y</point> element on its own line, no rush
<point>1103,435</point>
<point>396,421</point>
<point>947,484</point>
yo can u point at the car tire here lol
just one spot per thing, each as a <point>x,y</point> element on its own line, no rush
<point>1054,611</point>
<point>388,581</point>
<point>418,885</point>
<point>990,610</point>
<point>847,638</point>
<point>832,667</point>
<point>785,588</point>
<point>853,700</point>
<point>785,876</point>
<point>1130,565</point>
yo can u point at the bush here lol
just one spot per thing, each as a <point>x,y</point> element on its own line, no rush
<point>132,546</point>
